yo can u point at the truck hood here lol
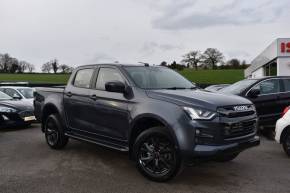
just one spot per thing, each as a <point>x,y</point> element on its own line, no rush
<point>20,105</point>
<point>197,98</point>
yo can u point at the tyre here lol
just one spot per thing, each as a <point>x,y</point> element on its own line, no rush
<point>286,143</point>
<point>1,120</point>
<point>227,158</point>
<point>54,132</point>
<point>156,155</point>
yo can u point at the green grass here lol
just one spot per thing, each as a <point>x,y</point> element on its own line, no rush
<point>199,76</point>
<point>35,78</point>
<point>213,76</point>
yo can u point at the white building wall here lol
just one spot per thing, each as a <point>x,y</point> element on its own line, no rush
<point>283,66</point>
<point>258,73</point>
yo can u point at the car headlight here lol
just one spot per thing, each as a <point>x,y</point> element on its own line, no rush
<point>199,114</point>
<point>7,109</point>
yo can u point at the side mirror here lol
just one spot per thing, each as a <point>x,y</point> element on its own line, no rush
<point>254,93</point>
<point>115,86</point>
<point>16,96</point>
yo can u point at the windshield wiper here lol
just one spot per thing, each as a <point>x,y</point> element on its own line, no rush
<point>174,88</point>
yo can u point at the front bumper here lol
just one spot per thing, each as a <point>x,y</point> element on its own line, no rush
<point>210,151</point>
<point>17,118</point>
<point>281,124</point>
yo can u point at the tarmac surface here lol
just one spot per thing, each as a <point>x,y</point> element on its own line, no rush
<point>28,165</point>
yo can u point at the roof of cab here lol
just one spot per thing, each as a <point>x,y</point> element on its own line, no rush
<point>118,64</point>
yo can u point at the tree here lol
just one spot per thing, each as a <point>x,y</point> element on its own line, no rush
<point>163,63</point>
<point>5,61</point>
<point>212,57</point>
<point>9,64</point>
<point>51,65</point>
<point>54,65</point>
<point>22,66</point>
<point>46,67</point>
<point>192,59</point>
<point>234,63</point>
<point>30,67</point>
<point>65,68</point>
<point>13,65</point>
<point>176,66</point>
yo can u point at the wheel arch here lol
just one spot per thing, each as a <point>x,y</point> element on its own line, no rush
<point>48,109</point>
<point>147,121</point>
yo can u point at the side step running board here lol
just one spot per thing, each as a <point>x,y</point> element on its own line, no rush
<point>101,143</point>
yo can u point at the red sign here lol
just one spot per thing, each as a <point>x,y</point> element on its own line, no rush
<point>285,47</point>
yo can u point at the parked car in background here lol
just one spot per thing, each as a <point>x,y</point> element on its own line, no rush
<point>269,94</point>
<point>216,87</point>
<point>160,118</point>
<point>15,112</point>
<point>16,92</point>
<point>282,130</point>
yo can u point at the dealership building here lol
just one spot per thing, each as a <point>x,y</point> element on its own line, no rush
<point>273,61</point>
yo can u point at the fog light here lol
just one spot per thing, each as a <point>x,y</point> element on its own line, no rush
<point>197,131</point>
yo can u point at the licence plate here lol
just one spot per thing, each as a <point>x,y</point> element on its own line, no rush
<point>31,118</point>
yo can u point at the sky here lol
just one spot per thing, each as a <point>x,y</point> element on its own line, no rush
<point>78,32</point>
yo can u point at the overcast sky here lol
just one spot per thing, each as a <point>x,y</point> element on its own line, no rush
<point>92,31</point>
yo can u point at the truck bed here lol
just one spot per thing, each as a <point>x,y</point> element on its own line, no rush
<point>45,95</point>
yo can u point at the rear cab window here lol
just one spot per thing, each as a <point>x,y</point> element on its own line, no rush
<point>83,78</point>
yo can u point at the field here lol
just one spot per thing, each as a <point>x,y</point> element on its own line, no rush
<point>35,78</point>
<point>200,76</point>
<point>213,76</point>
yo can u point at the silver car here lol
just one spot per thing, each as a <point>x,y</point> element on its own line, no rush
<point>21,93</point>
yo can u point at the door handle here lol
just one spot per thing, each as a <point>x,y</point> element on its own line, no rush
<point>69,94</point>
<point>94,97</point>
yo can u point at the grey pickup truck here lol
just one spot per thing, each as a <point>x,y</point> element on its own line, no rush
<point>156,115</point>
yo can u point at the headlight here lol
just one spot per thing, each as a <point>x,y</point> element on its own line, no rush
<point>7,109</point>
<point>199,114</point>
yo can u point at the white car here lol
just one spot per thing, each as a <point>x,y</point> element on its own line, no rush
<point>283,130</point>
<point>23,93</point>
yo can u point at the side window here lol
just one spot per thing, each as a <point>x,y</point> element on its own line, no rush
<point>11,92</point>
<point>107,75</point>
<point>286,85</point>
<point>269,86</point>
<point>83,78</point>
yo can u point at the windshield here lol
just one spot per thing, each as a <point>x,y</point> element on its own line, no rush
<point>26,92</point>
<point>4,96</point>
<point>238,87</point>
<point>157,78</point>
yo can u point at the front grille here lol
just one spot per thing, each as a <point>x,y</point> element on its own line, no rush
<point>26,114</point>
<point>244,128</point>
<point>231,112</point>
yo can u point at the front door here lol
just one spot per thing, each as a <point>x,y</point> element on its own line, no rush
<point>111,115</point>
<point>266,102</point>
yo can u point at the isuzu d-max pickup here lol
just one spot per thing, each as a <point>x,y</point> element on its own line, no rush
<point>159,117</point>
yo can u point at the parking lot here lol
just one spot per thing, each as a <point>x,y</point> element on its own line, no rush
<point>27,164</point>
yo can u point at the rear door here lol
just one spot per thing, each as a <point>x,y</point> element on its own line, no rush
<point>77,100</point>
<point>266,102</point>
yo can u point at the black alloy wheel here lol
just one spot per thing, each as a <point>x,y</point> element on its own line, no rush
<point>54,132</point>
<point>51,133</point>
<point>157,157</point>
